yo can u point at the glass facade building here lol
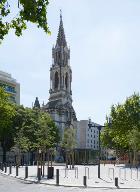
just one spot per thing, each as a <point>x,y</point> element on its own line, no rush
<point>11,86</point>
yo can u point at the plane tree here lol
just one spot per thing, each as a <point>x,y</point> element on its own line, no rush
<point>7,112</point>
<point>16,14</point>
<point>125,126</point>
<point>35,131</point>
<point>69,144</point>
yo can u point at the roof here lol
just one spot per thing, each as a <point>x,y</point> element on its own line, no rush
<point>61,40</point>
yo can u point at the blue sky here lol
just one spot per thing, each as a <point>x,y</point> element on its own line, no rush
<point>104,38</point>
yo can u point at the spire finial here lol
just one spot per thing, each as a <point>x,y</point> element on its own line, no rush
<point>61,41</point>
<point>60,14</point>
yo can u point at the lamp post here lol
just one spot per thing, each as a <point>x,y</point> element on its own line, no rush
<point>99,127</point>
<point>39,165</point>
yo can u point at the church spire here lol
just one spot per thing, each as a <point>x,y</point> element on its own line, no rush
<point>61,40</point>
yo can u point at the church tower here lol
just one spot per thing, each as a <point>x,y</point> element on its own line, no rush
<point>60,100</point>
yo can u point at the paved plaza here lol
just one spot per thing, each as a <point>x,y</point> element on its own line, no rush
<point>128,178</point>
<point>11,184</point>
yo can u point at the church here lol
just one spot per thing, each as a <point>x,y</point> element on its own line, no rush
<point>60,105</point>
<point>60,101</point>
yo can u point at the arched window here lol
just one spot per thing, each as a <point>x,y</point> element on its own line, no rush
<point>63,81</point>
<point>66,80</point>
<point>56,80</point>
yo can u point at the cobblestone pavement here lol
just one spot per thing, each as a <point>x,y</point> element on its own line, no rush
<point>9,184</point>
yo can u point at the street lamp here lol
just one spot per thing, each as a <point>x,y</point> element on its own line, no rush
<point>99,127</point>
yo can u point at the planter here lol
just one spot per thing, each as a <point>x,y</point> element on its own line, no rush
<point>50,172</point>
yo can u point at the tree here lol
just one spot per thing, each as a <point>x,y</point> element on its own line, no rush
<point>69,144</point>
<point>125,120</point>
<point>36,130</point>
<point>134,143</point>
<point>34,11</point>
<point>36,127</point>
<point>47,137</point>
<point>25,123</point>
<point>7,112</point>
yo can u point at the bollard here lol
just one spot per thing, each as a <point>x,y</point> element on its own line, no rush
<point>87,168</point>
<point>5,167</point>
<point>57,177</point>
<point>39,174</point>
<point>85,181</point>
<point>116,181</point>
<point>10,169</point>
<point>26,172</point>
<point>16,170</point>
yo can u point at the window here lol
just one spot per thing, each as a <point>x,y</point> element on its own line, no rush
<point>66,80</point>
<point>56,80</point>
<point>91,135</point>
<point>91,141</point>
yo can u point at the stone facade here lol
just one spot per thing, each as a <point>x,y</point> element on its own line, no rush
<point>60,101</point>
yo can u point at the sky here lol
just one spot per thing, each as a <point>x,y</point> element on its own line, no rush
<point>104,39</point>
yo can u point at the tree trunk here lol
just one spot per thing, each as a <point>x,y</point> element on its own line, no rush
<point>43,159</point>
<point>72,158</point>
<point>37,161</point>
<point>66,160</point>
<point>4,154</point>
<point>134,158</point>
<point>48,157</point>
<point>51,158</point>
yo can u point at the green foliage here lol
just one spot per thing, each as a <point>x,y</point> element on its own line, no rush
<point>125,123</point>
<point>47,133</point>
<point>35,130</point>
<point>34,11</point>
<point>7,112</point>
<point>30,129</point>
<point>69,139</point>
<point>25,124</point>
<point>134,139</point>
